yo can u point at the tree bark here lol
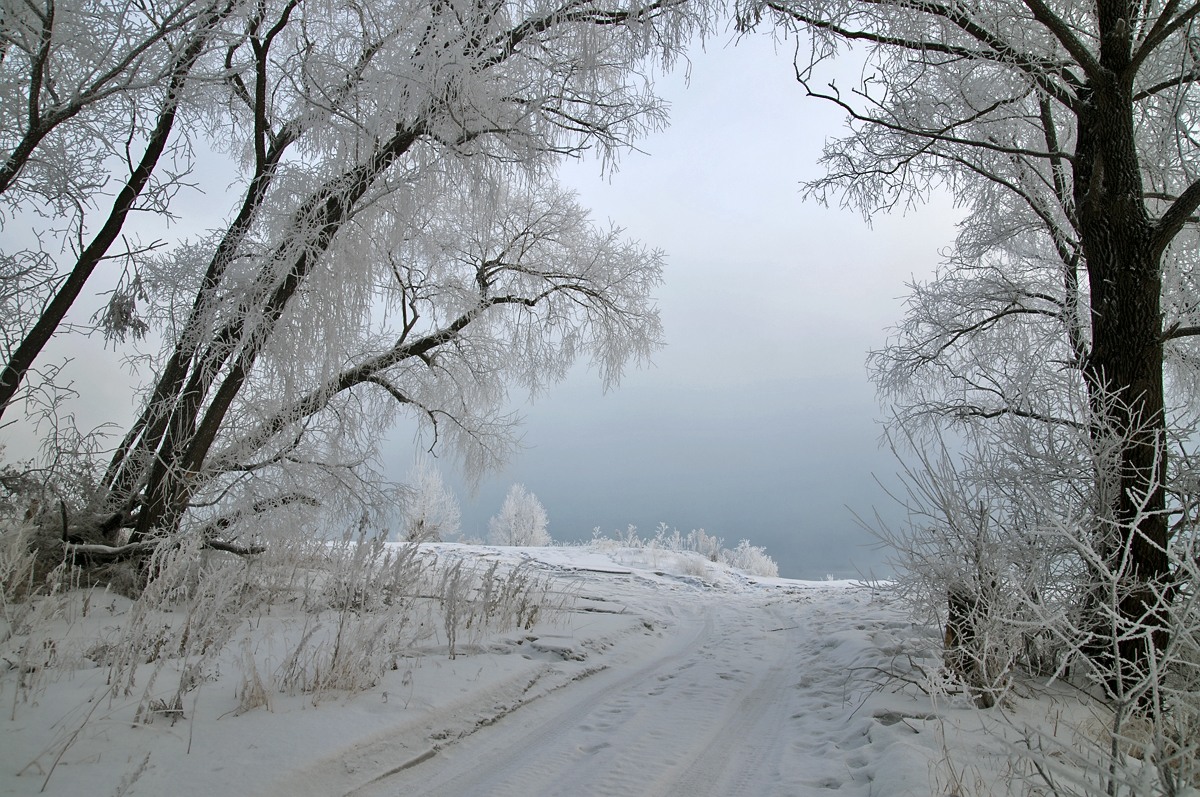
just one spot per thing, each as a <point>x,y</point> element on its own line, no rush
<point>1124,370</point>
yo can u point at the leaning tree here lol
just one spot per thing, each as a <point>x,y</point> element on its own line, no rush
<point>394,240</point>
<point>1067,132</point>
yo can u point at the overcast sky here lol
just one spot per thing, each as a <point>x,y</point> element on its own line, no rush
<point>757,420</point>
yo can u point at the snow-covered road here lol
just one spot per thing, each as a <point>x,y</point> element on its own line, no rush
<point>657,676</point>
<point>753,691</point>
<point>701,712</point>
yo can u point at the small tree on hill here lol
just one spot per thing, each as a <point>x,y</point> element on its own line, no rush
<point>430,512</point>
<point>522,520</point>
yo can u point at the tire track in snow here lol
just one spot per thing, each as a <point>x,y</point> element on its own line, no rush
<point>743,757</point>
<point>748,693</point>
<point>703,717</point>
<point>541,748</point>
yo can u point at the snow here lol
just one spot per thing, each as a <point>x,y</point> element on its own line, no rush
<point>677,676</point>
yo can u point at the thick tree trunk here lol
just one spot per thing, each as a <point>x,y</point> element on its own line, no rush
<point>1124,371</point>
<point>1125,382</point>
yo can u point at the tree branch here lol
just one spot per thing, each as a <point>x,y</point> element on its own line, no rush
<point>1041,71</point>
<point>1066,37</point>
<point>1176,216</point>
<point>1162,30</point>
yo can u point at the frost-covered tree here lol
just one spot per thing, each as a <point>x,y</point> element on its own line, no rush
<point>91,133</point>
<point>393,242</point>
<point>522,520</point>
<point>1066,130</point>
<point>430,512</point>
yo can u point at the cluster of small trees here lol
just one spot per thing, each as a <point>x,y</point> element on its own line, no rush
<point>429,512</point>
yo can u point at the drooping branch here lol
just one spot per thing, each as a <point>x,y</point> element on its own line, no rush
<point>940,135</point>
<point>971,411</point>
<point>1045,73</point>
<point>225,522</point>
<point>92,553</point>
<point>951,337</point>
<point>371,371</point>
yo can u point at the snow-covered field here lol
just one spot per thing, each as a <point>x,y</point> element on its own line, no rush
<point>657,674</point>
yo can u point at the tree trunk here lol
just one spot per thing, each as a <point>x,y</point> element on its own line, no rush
<point>1125,369</point>
<point>193,427</point>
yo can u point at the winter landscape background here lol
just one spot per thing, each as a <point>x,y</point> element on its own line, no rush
<point>393,402</point>
<point>757,419</point>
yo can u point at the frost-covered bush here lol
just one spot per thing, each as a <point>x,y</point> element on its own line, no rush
<point>522,520</point>
<point>750,559</point>
<point>1025,588</point>
<point>16,564</point>
<point>696,541</point>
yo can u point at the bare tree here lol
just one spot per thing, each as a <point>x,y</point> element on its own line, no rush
<point>1065,130</point>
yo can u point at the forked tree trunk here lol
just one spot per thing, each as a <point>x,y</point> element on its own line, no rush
<point>200,410</point>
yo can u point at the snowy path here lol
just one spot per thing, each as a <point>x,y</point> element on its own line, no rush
<point>734,694</point>
<point>650,682</point>
<point>702,713</point>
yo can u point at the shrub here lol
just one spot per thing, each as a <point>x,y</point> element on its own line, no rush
<point>750,559</point>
